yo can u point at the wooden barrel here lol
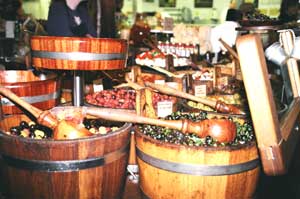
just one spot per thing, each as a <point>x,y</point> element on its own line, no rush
<point>86,168</point>
<point>178,171</point>
<point>42,91</point>
<point>77,53</point>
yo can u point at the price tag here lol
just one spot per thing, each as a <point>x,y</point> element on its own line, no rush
<point>200,90</point>
<point>159,81</point>
<point>10,29</point>
<point>223,80</point>
<point>97,85</point>
<point>164,108</point>
<point>174,85</point>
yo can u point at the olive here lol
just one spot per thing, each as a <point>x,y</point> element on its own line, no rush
<point>24,125</point>
<point>47,131</point>
<point>15,130</point>
<point>32,127</point>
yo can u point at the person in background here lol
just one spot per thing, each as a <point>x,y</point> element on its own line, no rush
<point>69,18</point>
<point>289,11</point>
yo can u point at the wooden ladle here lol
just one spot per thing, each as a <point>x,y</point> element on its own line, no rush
<point>217,105</point>
<point>61,129</point>
<point>222,130</point>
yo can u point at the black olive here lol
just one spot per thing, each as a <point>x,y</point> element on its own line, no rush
<point>15,130</point>
<point>32,127</point>
<point>24,125</point>
<point>47,131</point>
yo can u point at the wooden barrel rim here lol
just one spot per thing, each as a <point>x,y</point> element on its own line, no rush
<point>79,39</point>
<point>197,169</point>
<point>71,141</point>
<point>67,165</point>
<point>179,147</point>
<point>6,77</point>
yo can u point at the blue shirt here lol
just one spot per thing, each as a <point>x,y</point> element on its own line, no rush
<point>61,21</point>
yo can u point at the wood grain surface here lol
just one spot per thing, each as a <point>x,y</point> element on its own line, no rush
<point>100,182</point>
<point>157,182</point>
<point>41,91</point>
<point>67,46</point>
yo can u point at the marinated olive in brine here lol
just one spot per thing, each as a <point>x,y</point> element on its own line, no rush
<point>245,132</point>
<point>37,131</point>
<point>31,130</point>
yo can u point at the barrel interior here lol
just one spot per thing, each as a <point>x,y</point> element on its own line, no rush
<point>92,167</point>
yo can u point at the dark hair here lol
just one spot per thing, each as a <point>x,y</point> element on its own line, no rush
<point>234,15</point>
<point>289,10</point>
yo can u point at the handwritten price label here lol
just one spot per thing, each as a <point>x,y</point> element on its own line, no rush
<point>159,81</point>
<point>200,91</point>
<point>164,108</point>
<point>97,85</point>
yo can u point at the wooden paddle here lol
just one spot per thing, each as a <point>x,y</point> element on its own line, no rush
<point>218,105</point>
<point>222,130</point>
<point>61,129</point>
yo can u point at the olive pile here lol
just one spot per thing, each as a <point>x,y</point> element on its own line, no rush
<point>244,132</point>
<point>256,16</point>
<point>99,126</point>
<point>37,131</point>
<point>31,130</point>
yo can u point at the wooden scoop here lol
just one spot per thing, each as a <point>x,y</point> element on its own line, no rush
<point>61,129</point>
<point>222,130</point>
<point>218,105</point>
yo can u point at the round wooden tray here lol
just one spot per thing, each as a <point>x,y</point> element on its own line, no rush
<point>76,53</point>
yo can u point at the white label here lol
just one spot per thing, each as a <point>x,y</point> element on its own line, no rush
<point>159,81</point>
<point>164,108</point>
<point>200,90</point>
<point>174,85</point>
<point>97,87</point>
<point>10,29</point>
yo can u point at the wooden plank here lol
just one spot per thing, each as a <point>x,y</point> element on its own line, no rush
<point>290,118</point>
<point>259,91</point>
<point>261,103</point>
<point>276,139</point>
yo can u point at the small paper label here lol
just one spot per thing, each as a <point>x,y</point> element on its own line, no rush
<point>223,81</point>
<point>159,81</point>
<point>200,90</point>
<point>10,29</point>
<point>164,108</point>
<point>97,85</point>
<point>174,85</point>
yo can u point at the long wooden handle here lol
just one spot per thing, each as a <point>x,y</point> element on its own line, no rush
<point>28,107</point>
<point>219,129</point>
<point>166,72</point>
<point>152,45</point>
<point>230,50</point>
<point>43,117</point>
<point>170,91</point>
<point>217,105</point>
<point>128,116</point>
